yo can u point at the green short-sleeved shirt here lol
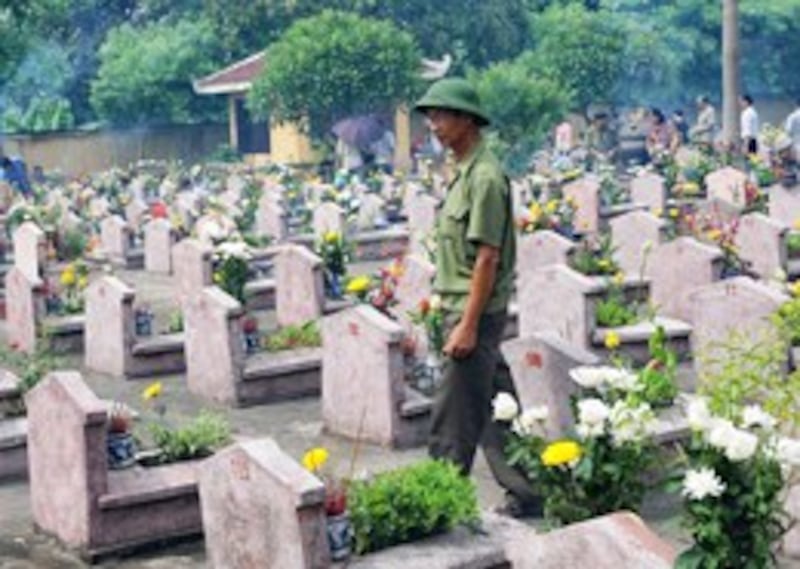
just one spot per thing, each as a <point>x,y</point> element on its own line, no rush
<point>476,211</point>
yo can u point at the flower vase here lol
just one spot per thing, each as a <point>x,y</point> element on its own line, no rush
<point>144,323</point>
<point>52,304</point>
<point>334,284</point>
<point>252,341</point>
<point>120,450</point>
<point>434,364</point>
<point>340,536</point>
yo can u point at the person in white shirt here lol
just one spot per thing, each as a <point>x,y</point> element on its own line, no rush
<point>749,125</point>
<point>792,128</point>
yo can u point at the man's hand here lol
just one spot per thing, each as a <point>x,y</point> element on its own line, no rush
<point>462,341</point>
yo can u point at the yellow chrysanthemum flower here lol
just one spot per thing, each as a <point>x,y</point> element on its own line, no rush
<point>611,340</point>
<point>658,212</point>
<point>315,459</point>
<point>68,276</point>
<point>535,211</point>
<point>152,391</point>
<point>561,453</point>
<point>794,289</point>
<point>358,284</point>
<point>331,236</point>
<point>83,282</point>
<point>551,206</point>
<point>714,234</point>
<point>619,278</point>
<point>796,224</point>
<point>691,187</point>
<point>674,212</point>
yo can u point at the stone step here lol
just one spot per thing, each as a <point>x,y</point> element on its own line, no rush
<point>160,344</point>
<point>8,385</point>
<point>793,268</point>
<point>634,338</point>
<point>260,294</point>
<point>415,404</point>
<point>269,377</point>
<point>13,448</point>
<point>138,486</point>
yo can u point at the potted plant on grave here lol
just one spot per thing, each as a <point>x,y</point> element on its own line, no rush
<point>30,369</point>
<point>409,504</point>
<point>714,229</point>
<point>614,309</point>
<point>599,469</point>
<point>427,375</point>
<point>74,279</point>
<point>338,526</point>
<point>231,267</point>
<point>120,444</point>
<point>252,337</point>
<point>612,193</point>
<point>595,257</point>
<point>359,287</point>
<point>334,251</point>
<point>143,320</point>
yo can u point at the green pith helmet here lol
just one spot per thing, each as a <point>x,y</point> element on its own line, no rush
<point>455,94</point>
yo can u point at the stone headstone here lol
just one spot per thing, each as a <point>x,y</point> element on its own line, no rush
<point>631,234</point>
<point>727,184</point>
<point>329,217</point>
<point>415,285</point>
<point>108,338</point>
<point>191,261</point>
<point>30,249</point>
<point>300,293</point>
<point>262,509</point>
<point>214,352</point>
<point>784,205</point>
<point>363,377</point>
<point>370,211</point>
<point>422,210</point>
<point>762,244</point>
<point>539,249</point>
<point>66,456</point>
<point>790,545</point>
<point>540,366</point>
<point>24,309</point>
<point>615,541</point>
<point>134,212</point>
<point>739,305</point>
<point>99,207</point>
<point>114,236</point>
<point>559,304</point>
<point>236,185</point>
<point>158,242</point>
<point>586,193</point>
<point>677,268</point>
<point>271,218</point>
<point>649,189</point>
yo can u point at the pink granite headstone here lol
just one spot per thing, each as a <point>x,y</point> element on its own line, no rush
<point>539,249</point>
<point>677,268</point>
<point>271,219</point>
<point>24,309</point>
<point>329,217</point>
<point>66,457</point>
<point>134,212</point>
<point>784,205</point>
<point>586,193</point>
<point>540,365</point>
<point>159,239</point>
<point>649,189</point>
<point>214,348</point>
<point>762,244</point>
<point>108,329</point>
<point>115,238</point>
<point>191,261</point>
<point>422,210</point>
<point>262,509</point>
<point>631,234</point>
<point>727,184</point>
<point>415,285</point>
<point>371,209</point>
<point>299,295</point>
<point>30,249</point>
<point>362,375</point>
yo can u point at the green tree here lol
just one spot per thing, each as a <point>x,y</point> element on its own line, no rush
<point>523,107</point>
<point>146,74</point>
<point>581,49</point>
<point>335,65</point>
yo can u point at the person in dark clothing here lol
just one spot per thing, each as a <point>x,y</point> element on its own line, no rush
<point>14,171</point>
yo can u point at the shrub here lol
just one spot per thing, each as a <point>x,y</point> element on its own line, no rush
<point>298,336</point>
<point>410,503</point>
<point>200,438</point>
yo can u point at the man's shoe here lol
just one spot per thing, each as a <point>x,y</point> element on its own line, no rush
<point>518,509</point>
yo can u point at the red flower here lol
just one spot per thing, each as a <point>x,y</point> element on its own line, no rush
<point>159,210</point>
<point>250,326</point>
<point>424,306</point>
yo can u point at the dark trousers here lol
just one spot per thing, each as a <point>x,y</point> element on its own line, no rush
<point>462,410</point>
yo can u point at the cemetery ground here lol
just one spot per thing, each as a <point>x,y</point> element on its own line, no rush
<point>295,425</point>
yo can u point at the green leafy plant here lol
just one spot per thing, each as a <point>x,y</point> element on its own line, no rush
<point>305,335</point>
<point>200,438</point>
<point>793,244</point>
<point>409,504</point>
<point>595,258</point>
<point>613,311</point>
<point>658,377</point>
<point>29,368</point>
<point>429,315</point>
<point>787,320</point>
<point>72,245</point>
<point>175,323</point>
<point>335,251</point>
<point>231,268</point>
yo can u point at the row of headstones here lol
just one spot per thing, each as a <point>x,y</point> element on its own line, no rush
<point>255,504</point>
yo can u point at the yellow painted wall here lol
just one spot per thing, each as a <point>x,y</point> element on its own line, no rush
<point>288,144</point>
<point>402,139</point>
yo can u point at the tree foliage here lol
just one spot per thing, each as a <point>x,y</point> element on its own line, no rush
<point>523,107</point>
<point>146,74</point>
<point>335,65</point>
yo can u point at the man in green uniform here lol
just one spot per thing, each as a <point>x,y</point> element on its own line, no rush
<point>474,277</point>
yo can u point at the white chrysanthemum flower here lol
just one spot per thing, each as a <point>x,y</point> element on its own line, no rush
<point>505,407</point>
<point>529,421</point>
<point>701,484</point>
<point>631,424</point>
<point>622,380</point>
<point>435,302</point>
<point>592,411</point>
<point>741,445</point>
<point>718,432</point>
<point>586,431</point>
<point>590,377</point>
<point>698,414</point>
<point>754,416</point>
<point>236,249</point>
